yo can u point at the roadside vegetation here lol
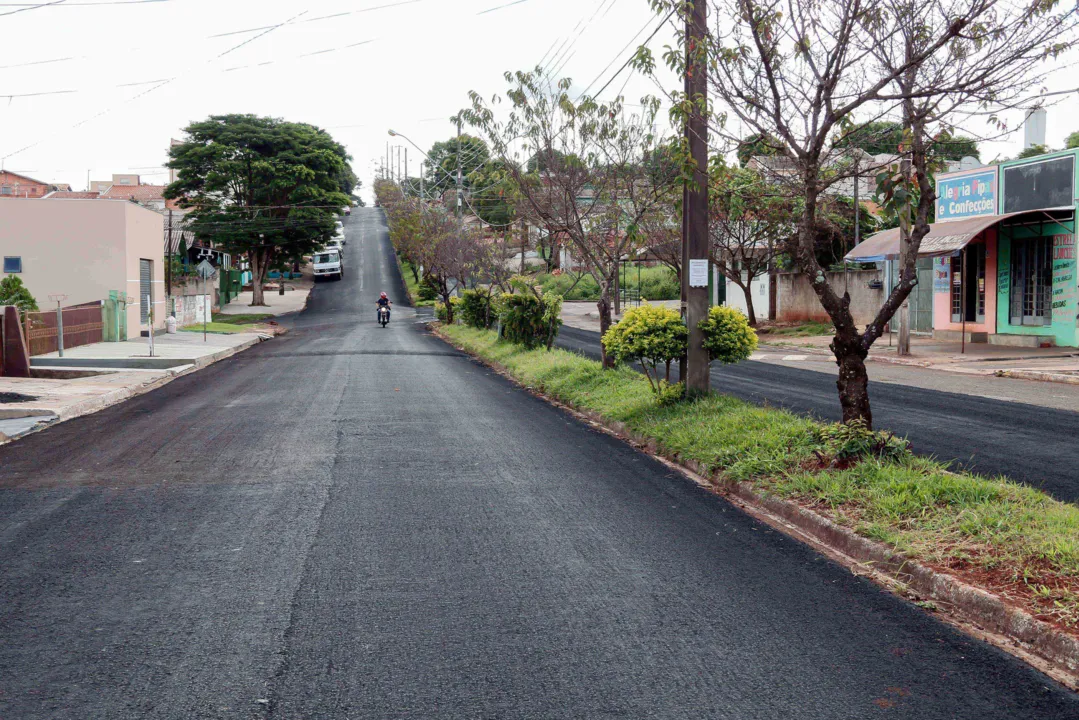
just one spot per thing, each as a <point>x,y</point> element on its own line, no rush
<point>419,295</point>
<point>993,532</point>
<point>809,328</point>
<point>656,283</point>
<point>222,324</point>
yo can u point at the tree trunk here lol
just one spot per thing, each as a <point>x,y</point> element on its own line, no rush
<point>747,290</point>
<point>604,306</point>
<point>259,263</point>
<point>853,380</point>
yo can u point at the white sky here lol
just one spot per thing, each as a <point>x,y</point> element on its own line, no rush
<point>422,60</point>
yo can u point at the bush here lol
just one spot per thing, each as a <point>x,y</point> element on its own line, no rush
<point>668,394</point>
<point>657,283</point>
<point>447,315</point>
<point>477,309</point>
<point>427,290</point>
<point>522,318</point>
<point>13,292</point>
<point>855,441</point>
<point>728,337</point>
<point>650,335</point>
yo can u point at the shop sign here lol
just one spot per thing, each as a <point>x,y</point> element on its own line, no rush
<point>1064,285</point>
<point>967,196</point>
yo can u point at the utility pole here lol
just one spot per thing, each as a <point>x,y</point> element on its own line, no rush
<point>406,167</point>
<point>696,257</point>
<point>460,194</point>
<point>421,179</point>
<point>904,252</point>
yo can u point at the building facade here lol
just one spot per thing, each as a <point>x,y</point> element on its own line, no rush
<point>87,249</point>
<point>13,185</point>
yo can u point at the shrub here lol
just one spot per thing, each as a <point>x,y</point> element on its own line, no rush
<point>669,394</point>
<point>446,315</point>
<point>657,283</point>
<point>650,335</point>
<point>728,337</point>
<point>13,292</point>
<point>855,441</point>
<point>522,318</point>
<point>552,315</point>
<point>477,308</point>
<point>427,289</point>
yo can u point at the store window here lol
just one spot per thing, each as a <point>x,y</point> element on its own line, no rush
<point>1032,282</point>
<point>969,297</point>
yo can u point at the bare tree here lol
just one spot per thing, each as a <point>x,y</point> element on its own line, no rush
<point>586,179</point>
<point>803,72</point>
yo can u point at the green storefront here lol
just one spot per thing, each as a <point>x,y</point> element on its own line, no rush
<point>1036,281</point>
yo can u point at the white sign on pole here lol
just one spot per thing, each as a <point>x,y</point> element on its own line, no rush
<point>698,273</point>
<point>202,304</point>
<point>205,270</point>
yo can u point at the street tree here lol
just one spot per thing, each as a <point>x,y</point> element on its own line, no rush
<point>14,292</point>
<point>590,185</point>
<point>749,222</point>
<point>885,137</point>
<point>802,71</point>
<point>442,160</point>
<point>260,187</point>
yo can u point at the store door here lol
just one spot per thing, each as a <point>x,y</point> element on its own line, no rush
<point>1032,282</point>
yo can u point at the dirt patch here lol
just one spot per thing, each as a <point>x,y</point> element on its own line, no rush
<point>12,397</point>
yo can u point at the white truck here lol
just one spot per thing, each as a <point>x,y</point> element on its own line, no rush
<point>327,263</point>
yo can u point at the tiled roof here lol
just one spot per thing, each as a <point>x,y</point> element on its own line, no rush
<point>71,195</point>
<point>138,193</point>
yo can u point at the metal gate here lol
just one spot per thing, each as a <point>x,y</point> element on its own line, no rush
<point>921,298</point>
<point>146,293</point>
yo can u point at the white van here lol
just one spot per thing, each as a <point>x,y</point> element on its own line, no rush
<point>327,264</point>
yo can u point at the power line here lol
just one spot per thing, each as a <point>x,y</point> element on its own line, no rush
<point>501,7</point>
<point>628,60</point>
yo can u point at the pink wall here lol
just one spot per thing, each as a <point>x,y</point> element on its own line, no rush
<point>942,301</point>
<point>83,249</point>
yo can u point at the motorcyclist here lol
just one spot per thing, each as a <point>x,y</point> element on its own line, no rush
<point>383,302</point>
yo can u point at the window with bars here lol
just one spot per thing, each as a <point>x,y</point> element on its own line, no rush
<point>1032,281</point>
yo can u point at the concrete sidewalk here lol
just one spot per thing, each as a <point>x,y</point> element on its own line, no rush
<point>93,377</point>
<point>297,292</point>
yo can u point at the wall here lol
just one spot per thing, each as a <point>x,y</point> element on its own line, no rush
<point>798,302</point>
<point>80,247</point>
<point>736,297</point>
<point>145,240</point>
<point>942,296</point>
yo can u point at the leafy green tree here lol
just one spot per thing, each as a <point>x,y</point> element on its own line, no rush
<point>1072,141</point>
<point>14,292</point>
<point>882,137</point>
<point>260,187</point>
<point>441,173</point>
<point>651,335</point>
<point>1032,151</point>
<point>492,194</point>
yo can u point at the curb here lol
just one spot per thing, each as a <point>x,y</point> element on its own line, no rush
<point>1039,375</point>
<point>1013,630</point>
<point>96,404</point>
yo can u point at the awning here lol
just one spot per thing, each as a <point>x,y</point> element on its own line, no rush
<point>944,238</point>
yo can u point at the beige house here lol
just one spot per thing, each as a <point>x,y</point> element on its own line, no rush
<point>84,249</point>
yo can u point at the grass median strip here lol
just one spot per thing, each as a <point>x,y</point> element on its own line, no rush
<point>996,534</point>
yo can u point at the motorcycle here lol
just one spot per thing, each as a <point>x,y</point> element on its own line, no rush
<point>384,316</point>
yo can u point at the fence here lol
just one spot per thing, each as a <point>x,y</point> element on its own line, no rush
<point>83,325</point>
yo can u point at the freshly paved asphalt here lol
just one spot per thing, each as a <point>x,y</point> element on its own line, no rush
<point>1036,445</point>
<point>357,522</point>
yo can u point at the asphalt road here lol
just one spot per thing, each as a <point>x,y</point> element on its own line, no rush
<point>357,522</point>
<point>1036,445</point>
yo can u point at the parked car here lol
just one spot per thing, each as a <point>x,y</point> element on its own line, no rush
<point>337,243</point>
<point>328,263</point>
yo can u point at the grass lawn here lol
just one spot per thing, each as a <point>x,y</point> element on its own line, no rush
<point>220,328</point>
<point>993,532</point>
<point>809,328</point>
<point>413,286</point>
<point>242,319</point>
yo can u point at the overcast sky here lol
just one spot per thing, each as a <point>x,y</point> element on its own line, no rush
<point>422,59</point>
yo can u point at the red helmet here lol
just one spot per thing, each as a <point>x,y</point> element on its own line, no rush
<point>382,295</point>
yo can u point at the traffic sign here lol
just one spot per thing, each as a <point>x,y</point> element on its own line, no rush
<point>205,270</point>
